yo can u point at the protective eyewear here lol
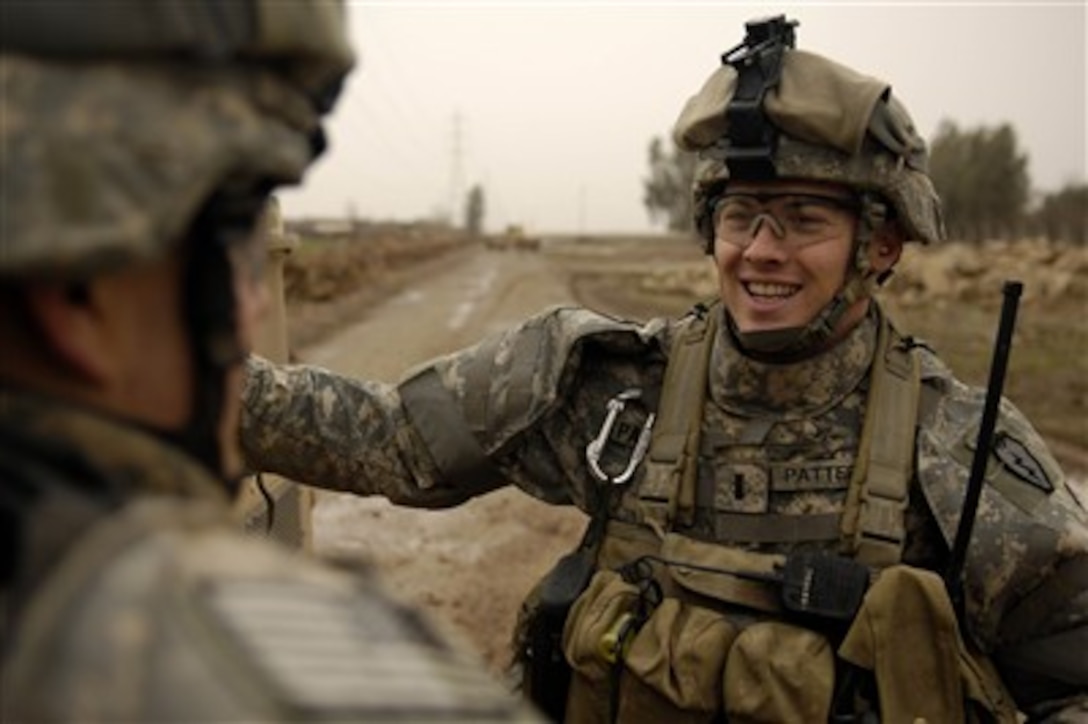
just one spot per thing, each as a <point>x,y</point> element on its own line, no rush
<point>796,219</point>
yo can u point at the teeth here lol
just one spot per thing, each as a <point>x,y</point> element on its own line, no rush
<point>759,289</point>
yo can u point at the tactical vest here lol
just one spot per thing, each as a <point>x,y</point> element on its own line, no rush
<point>871,527</point>
<point>691,609</point>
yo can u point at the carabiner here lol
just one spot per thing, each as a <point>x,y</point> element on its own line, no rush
<point>594,449</point>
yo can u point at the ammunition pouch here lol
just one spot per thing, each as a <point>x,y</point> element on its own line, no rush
<point>909,605</point>
<point>779,672</point>
<point>597,633</point>
<point>686,662</point>
<point>760,638</point>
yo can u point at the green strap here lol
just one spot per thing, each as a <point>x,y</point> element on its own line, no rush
<point>873,522</point>
<point>776,527</point>
<point>674,447</point>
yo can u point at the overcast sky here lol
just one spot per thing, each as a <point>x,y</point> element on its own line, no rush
<point>551,106</point>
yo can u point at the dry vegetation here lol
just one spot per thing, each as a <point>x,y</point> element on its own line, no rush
<point>328,282</point>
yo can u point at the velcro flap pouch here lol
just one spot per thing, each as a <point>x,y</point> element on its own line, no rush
<point>596,613</point>
<point>674,666</point>
<point>778,673</point>
<point>724,574</point>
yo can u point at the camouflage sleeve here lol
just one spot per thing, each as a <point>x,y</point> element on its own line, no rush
<point>535,396</point>
<point>338,433</point>
<point>1027,565</point>
<point>517,408</point>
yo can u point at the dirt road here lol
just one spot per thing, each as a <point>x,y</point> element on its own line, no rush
<point>473,564</point>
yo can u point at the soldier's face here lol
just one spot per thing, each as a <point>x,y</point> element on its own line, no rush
<point>120,343</point>
<point>782,250</point>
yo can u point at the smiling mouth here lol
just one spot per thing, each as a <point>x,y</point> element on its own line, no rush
<point>771,291</point>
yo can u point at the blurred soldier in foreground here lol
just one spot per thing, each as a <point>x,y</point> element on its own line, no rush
<point>774,481</point>
<point>140,142</point>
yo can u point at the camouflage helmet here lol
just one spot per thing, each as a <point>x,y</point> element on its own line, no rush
<point>121,119</point>
<point>827,122</point>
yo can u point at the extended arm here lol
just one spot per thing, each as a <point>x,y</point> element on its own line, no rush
<point>519,407</point>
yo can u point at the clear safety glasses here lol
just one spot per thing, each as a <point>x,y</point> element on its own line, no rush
<point>798,220</point>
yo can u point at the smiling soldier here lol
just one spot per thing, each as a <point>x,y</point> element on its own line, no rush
<point>770,526</point>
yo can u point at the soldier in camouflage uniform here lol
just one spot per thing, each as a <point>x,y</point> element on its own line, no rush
<point>140,144</point>
<point>774,481</point>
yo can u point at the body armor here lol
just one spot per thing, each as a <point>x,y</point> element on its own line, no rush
<point>465,423</point>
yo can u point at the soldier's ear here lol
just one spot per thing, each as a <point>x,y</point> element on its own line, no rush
<point>73,330</point>
<point>886,247</point>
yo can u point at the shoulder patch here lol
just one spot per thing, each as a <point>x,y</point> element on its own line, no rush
<point>324,652</point>
<point>1018,460</point>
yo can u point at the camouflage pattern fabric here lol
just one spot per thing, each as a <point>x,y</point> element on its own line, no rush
<point>79,175</point>
<point>355,436</point>
<point>117,126</point>
<point>757,437</point>
<point>339,433</point>
<point>836,125</point>
<point>145,603</point>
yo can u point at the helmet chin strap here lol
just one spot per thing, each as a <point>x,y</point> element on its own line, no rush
<point>794,343</point>
<point>210,308</point>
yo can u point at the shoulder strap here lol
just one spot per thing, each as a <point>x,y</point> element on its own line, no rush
<point>667,492</point>
<point>873,526</point>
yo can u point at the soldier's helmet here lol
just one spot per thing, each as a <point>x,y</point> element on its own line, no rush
<point>771,111</point>
<point>121,120</point>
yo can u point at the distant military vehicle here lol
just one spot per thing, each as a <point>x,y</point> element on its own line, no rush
<point>513,238</point>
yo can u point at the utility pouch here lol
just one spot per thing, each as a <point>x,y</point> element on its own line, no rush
<point>547,673</point>
<point>908,636</point>
<point>778,673</point>
<point>823,586</point>
<point>595,639</point>
<point>673,668</point>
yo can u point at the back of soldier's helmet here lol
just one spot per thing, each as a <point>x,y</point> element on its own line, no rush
<point>771,111</point>
<point>152,130</point>
<point>122,119</point>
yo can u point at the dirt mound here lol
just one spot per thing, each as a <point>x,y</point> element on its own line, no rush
<point>329,283</point>
<point>321,271</point>
<point>972,273</point>
<point>949,296</point>
<point>939,273</point>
